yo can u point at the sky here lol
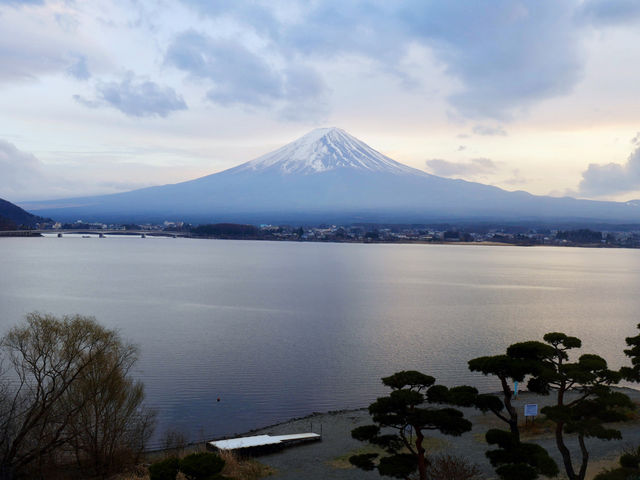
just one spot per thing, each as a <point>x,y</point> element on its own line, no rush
<point>103,97</point>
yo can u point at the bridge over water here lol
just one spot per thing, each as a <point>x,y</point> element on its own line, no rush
<point>99,233</point>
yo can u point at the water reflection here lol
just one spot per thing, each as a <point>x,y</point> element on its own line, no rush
<point>284,329</point>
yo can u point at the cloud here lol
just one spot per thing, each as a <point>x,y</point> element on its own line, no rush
<point>489,131</point>
<point>516,178</point>
<point>22,60</point>
<point>25,177</point>
<point>476,166</point>
<point>611,178</point>
<point>610,12</point>
<point>19,3</point>
<point>333,28</point>
<point>135,97</point>
<point>254,13</point>
<point>500,57</point>
<point>68,23</point>
<point>33,44</point>
<point>306,95</point>
<point>15,163</point>
<point>80,69</point>
<point>18,170</point>
<point>238,76</point>
<point>506,54</point>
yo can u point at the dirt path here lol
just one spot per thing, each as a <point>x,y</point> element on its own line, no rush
<point>329,459</point>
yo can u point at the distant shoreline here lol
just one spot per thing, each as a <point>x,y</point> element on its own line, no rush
<point>94,234</point>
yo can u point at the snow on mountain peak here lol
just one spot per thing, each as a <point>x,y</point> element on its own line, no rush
<point>325,149</point>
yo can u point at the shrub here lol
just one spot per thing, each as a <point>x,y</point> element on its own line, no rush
<point>629,467</point>
<point>201,466</point>
<point>243,468</point>
<point>617,474</point>
<point>451,467</point>
<point>629,460</point>
<point>174,443</point>
<point>164,470</point>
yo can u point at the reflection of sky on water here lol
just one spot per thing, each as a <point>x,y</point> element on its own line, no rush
<point>284,329</point>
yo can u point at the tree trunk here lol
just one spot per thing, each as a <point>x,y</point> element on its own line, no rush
<point>422,464</point>
<point>513,413</point>
<point>585,457</point>
<point>564,451</point>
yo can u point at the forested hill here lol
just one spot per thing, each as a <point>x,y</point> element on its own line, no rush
<point>12,216</point>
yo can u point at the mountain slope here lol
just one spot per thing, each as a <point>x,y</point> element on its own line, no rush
<point>329,176</point>
<point>12,216</point>
<point>322,150</point>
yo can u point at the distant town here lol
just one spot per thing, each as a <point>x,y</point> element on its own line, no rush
<point>627,236</point>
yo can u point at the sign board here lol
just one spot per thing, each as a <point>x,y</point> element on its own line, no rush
<point>531,410</point>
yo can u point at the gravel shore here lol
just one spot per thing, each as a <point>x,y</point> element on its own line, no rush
<point>328,459</point>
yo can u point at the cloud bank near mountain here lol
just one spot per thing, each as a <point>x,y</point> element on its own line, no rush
<point>475,166</point>
<point>612,178</point>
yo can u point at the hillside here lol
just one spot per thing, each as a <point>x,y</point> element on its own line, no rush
<point>13,217</point>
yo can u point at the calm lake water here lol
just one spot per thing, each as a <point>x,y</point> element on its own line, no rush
<point>279,330</point>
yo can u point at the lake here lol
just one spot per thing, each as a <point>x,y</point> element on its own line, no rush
<point>282,329</point>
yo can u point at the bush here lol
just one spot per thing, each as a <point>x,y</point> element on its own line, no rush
<point>243,468</point>
<point>629,467</point>
<point>164,470</point>
<point>201,466</point>
<point>618,474</point>
<point>629,460</point>
<point>174,443</point>
<point>451,467</point>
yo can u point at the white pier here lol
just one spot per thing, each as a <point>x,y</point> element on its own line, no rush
<point>259,443</point>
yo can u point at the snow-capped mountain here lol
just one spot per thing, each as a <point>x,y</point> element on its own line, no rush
<point>325,149</point>
<point>329,176</point>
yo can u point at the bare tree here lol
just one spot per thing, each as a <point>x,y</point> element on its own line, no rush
<point>112,427</point>
<point>46,388</point>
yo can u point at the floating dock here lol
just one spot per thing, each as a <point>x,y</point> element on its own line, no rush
<point>262,443</point>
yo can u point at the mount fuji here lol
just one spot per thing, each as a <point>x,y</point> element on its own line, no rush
<point>329,176</point>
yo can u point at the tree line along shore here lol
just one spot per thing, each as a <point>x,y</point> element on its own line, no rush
<point>615,237</point>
